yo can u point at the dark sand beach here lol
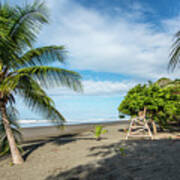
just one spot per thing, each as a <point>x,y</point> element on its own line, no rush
<point>74,154</point>
<point>37,133</point>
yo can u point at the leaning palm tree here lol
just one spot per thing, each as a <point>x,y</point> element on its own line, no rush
<point>24,70</point>
<point>175,52</point>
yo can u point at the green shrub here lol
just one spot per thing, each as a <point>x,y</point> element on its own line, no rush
<point>163,104</point>
<point>99,131</point>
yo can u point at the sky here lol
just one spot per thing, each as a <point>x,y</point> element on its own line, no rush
<point>114,45</point>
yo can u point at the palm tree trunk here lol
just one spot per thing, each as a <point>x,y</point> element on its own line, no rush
<point>16,156</point>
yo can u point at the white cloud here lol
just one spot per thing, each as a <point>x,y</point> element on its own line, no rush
<point>106,87</point>
<point>105,43</point>
<point>91,87</point>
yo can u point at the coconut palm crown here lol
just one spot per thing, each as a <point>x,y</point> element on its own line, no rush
<point>25,70</point>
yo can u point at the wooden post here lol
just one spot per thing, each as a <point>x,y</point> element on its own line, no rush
<point>154,127</point>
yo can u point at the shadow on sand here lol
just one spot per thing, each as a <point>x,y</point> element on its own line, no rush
<point>59,140</point>
<point>139,160</point>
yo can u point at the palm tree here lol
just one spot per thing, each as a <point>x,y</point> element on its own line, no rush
<point>24,70</point>
<point>175,52</point>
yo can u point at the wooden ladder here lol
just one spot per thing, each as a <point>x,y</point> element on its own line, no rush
<point>139,127</point>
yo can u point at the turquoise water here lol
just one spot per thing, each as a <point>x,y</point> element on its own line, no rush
<point>76,110</point>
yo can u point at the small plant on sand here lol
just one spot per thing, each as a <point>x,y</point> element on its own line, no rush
<point>122,151</point>
<point>99,131</point>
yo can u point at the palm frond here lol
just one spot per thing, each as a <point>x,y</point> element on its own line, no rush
<point>175,52</point>
<point>50,77</point>
<point>6,13</point>
<point>27,23</point>
<point>37,100</point>
<point>9,83</point>
<point>8,57</point>
<point>19,28</point>
<point>44,56</point>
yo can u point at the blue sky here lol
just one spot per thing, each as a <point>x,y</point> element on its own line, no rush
<point>113,45</point>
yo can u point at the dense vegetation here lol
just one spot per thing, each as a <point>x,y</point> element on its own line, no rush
<point>162,100</point>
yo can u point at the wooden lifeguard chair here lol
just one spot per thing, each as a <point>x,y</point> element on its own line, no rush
<point>139,127</point>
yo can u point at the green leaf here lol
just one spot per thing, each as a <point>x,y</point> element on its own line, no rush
<point>44,56</point>
<point>49,77</point>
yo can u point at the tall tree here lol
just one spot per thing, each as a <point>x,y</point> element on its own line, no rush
<point>24,70</point>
